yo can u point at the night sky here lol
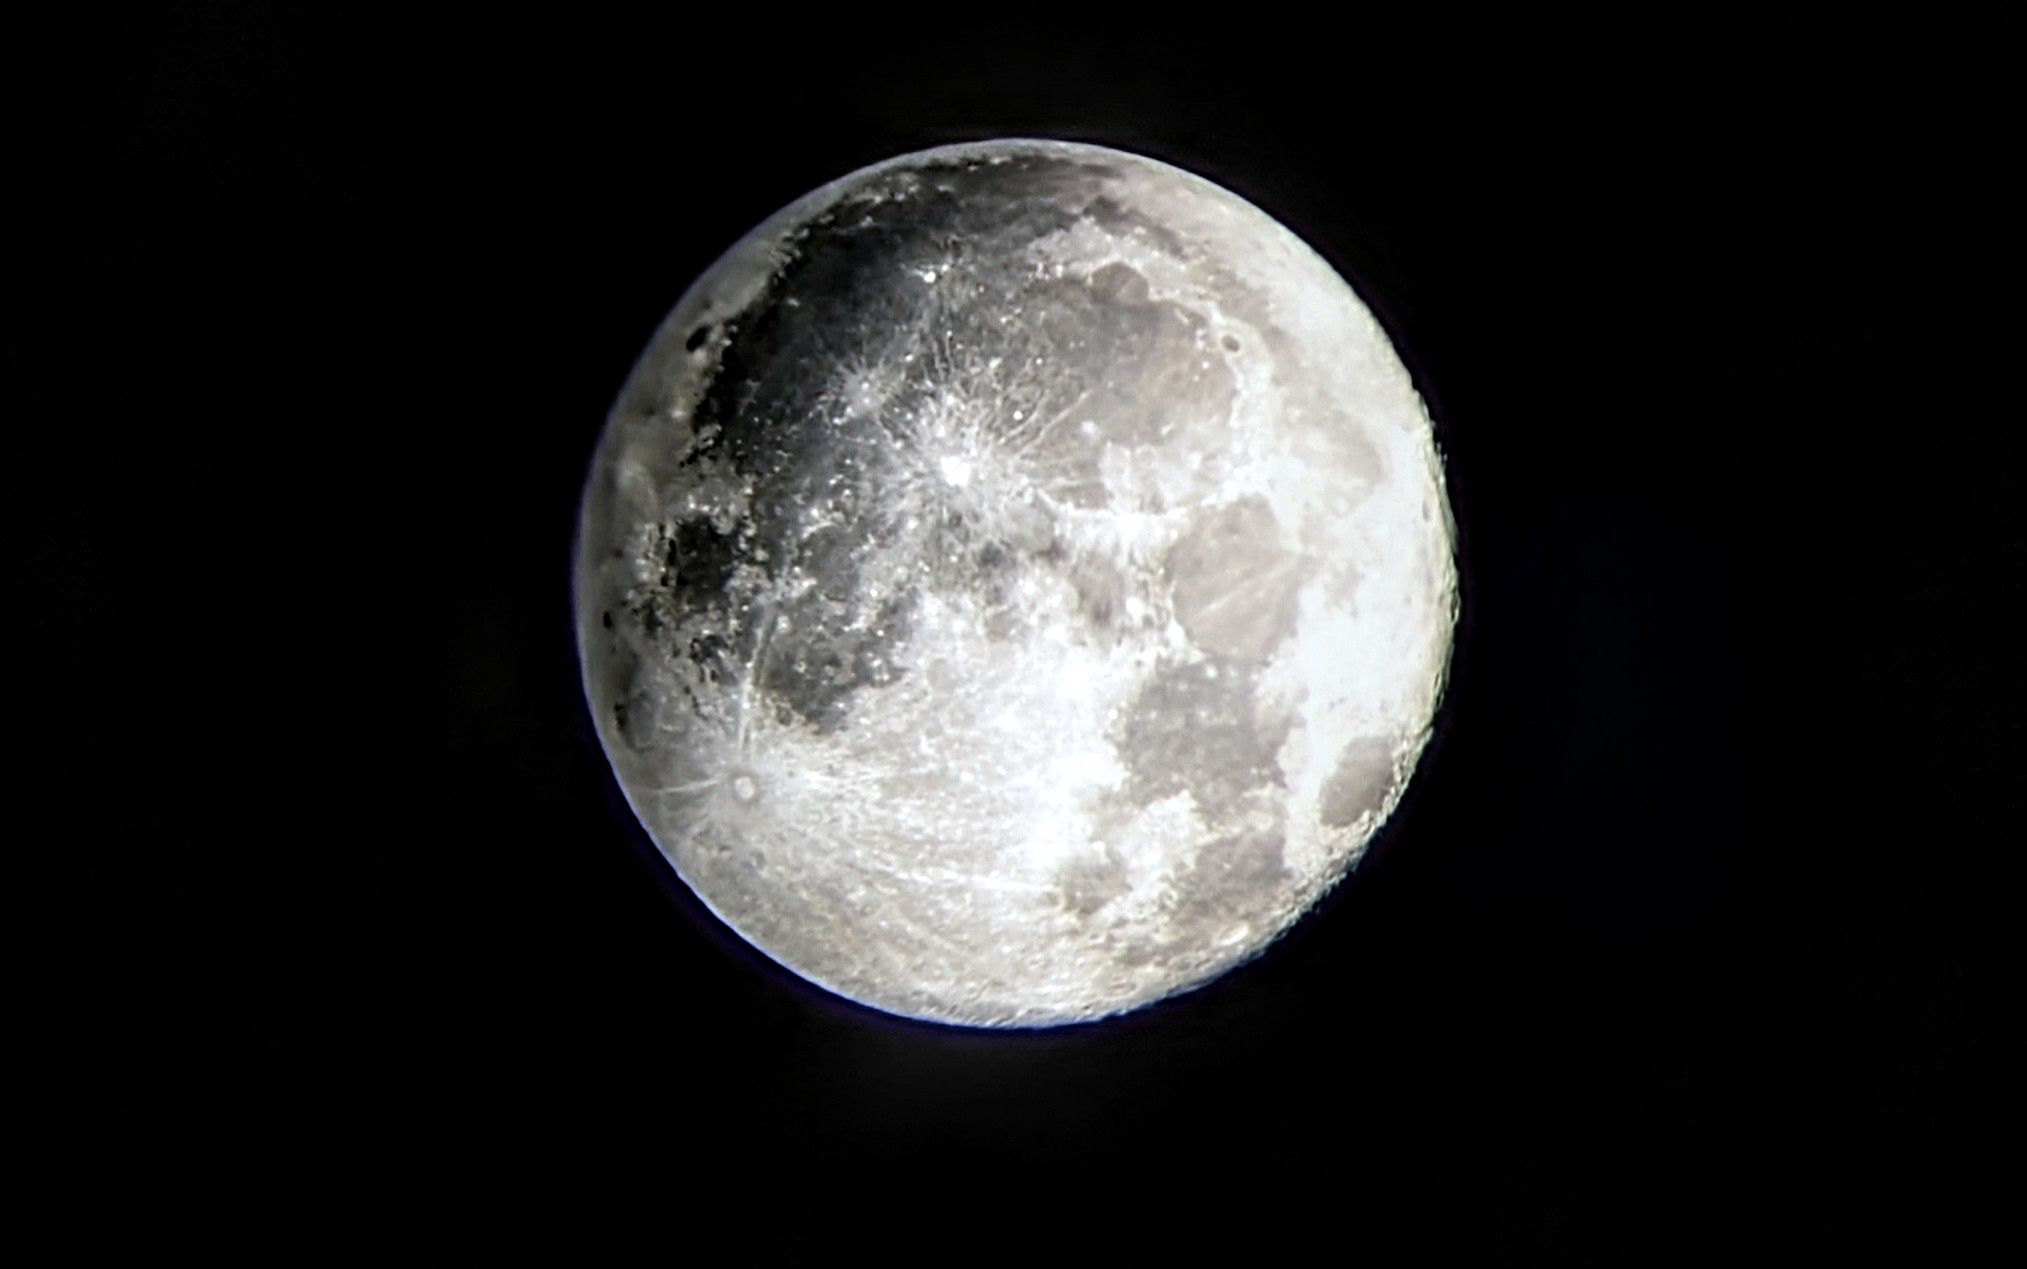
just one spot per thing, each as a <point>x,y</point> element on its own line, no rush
<point>1693,929</point>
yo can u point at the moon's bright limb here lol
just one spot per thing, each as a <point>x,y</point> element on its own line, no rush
<point>1015,583</point>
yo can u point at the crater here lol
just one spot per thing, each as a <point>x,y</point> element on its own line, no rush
<point>1120,284</point>
<point>989,395</point>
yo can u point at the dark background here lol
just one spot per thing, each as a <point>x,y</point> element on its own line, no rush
<point>1694,930</point>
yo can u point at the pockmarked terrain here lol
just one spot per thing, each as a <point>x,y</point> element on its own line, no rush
<point>1015,583</point>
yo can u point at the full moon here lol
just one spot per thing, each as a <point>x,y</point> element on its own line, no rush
<point>1015,583</point>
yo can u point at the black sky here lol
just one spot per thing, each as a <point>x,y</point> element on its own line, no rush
<point>1694,929</point>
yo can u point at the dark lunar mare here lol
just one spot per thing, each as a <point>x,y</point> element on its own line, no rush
<point>945,586</point>
<point>1021,350</point>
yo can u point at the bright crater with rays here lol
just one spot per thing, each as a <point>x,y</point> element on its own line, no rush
<point>1015,583</point>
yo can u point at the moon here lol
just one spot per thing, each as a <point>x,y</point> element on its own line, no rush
<point>1015,583</point>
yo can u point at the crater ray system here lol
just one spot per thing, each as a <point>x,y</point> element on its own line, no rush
<point>1015,582</point>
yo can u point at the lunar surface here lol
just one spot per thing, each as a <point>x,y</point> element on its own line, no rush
<point>1015,582</point>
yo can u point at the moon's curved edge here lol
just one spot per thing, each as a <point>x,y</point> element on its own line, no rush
<point>738,277</point>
